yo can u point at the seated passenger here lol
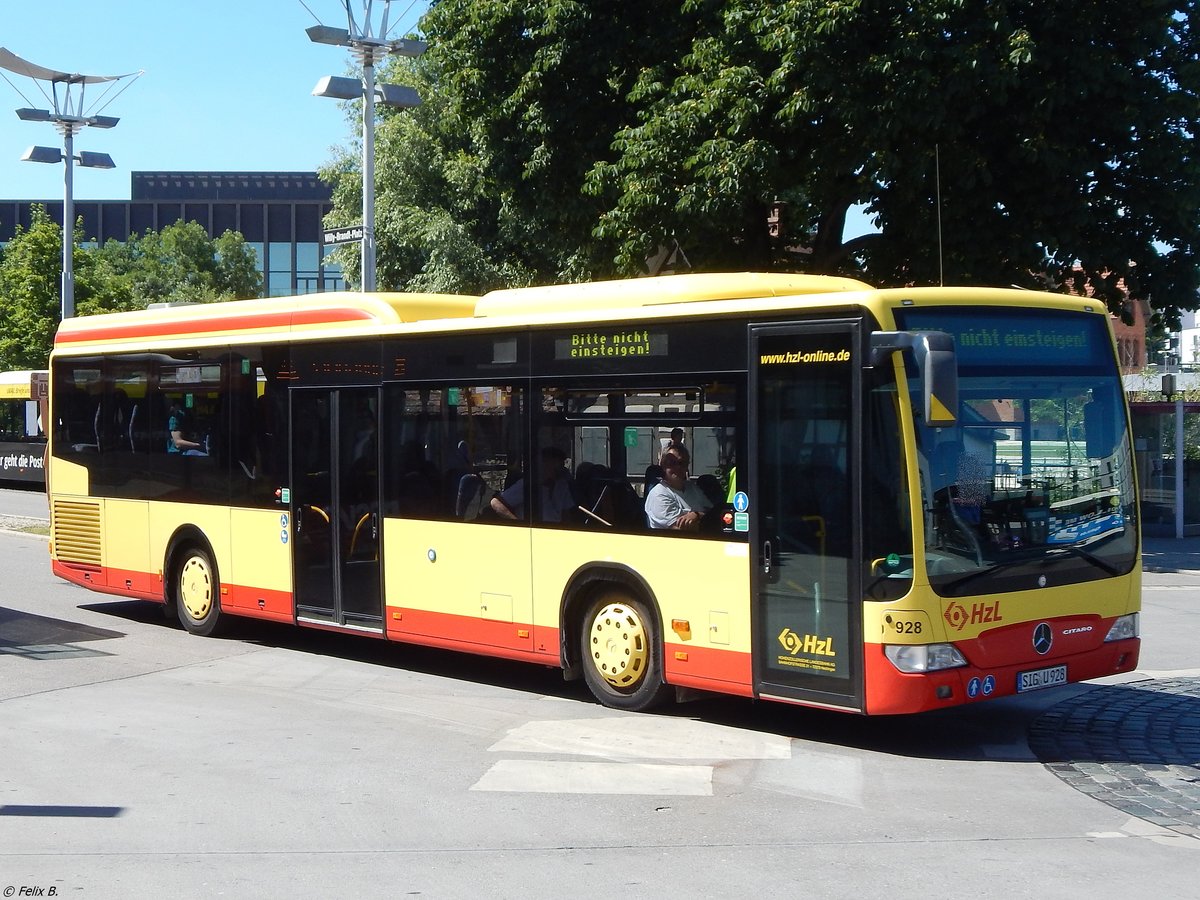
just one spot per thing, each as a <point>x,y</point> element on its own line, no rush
<point>557,491</point>
<point>176,426</point>
<point>675,502</point>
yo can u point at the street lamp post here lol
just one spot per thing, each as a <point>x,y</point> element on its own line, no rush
<point>68,127</point>
<point>69,118</point>
<point>369,46</point>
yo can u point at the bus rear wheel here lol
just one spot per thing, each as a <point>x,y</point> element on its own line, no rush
<point>197,601</point>
<point>622,653</point>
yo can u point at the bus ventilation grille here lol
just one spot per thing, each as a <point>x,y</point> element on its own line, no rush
<point>75,529</point>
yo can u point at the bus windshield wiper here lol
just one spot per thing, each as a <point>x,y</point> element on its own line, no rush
<point>1101,564</point>
<point>954,585</point>
<point>1058,552</point>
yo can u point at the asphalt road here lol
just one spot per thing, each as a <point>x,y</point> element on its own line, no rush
<point>24,503</point>
<point>139,761</point>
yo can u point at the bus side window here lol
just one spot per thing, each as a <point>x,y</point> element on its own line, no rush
<point>434,437</point>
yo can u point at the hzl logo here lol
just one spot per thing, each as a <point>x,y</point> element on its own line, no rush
<point>959,617</point>
<point>809,644</point>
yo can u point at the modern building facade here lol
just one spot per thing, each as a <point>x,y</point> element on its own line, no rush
<point>278,213</point>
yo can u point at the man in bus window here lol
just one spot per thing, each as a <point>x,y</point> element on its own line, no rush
<point>176,425</point>
<point>675,503</point>
<point>676,441</point>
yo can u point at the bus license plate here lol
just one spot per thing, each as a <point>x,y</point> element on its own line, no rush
<point>1041,678</point>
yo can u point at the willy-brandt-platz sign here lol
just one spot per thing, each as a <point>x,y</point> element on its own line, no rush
<point>347,234</point>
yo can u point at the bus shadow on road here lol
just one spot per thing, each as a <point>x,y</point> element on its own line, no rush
<point>21,627</point>
<point>455,665</point>
<point>1078,723</point>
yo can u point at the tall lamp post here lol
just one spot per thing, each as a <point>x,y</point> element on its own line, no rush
<point>369,45</point>
<point>69,117</point>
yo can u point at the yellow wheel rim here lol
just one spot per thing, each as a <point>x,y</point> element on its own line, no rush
<point>620,650</point>
<point>196,588</point>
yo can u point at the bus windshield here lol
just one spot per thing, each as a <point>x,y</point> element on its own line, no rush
<point>1034,485</point>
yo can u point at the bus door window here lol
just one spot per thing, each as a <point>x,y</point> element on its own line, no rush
<point>887,530</point>
<point>359,475</point>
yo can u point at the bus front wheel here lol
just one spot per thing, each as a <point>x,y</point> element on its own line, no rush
<point>197,601</point>
<point>622,653</point>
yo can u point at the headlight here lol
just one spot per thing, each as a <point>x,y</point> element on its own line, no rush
<point>1125,627</point>
<point>924,657</point>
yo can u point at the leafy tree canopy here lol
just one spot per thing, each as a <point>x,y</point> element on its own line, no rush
<point>30,279</point>
<point>992,143</point>
<point>179,264</point>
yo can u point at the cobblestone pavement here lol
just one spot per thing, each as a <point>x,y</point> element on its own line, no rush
<point>1134,746</point>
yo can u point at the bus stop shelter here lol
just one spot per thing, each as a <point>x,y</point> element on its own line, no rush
<point>1166,444</point>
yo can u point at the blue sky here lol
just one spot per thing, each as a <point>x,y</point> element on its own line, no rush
<point>227,87</point>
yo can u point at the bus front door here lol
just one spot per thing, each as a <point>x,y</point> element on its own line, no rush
<point>335,506</point>
<point>801,499</point>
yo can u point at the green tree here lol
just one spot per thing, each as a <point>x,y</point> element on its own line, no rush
<point>997,143</point>
<point>30,282</point>
<point>1054,134</point>
<point>483,185</point>
<point>180,264</point>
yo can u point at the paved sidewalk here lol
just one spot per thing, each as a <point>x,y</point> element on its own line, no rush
<point>1171,554</point>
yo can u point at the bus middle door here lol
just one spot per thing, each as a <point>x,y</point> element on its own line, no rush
<point>335,506</point>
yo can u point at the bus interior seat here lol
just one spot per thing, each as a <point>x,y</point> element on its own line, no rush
<point>469,503</point>
<point>710,486</point>
<point>654,474</point>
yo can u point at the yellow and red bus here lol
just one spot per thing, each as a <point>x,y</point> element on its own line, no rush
<point>877,536</point>
<point>23,397</point>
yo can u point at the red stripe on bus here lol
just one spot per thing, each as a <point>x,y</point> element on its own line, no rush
<point>707,668</point>
<point>249,321</point>
<point>258,603</point>
<point>512,640</point>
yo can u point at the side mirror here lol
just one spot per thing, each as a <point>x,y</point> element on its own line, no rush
<point>937,364</point>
